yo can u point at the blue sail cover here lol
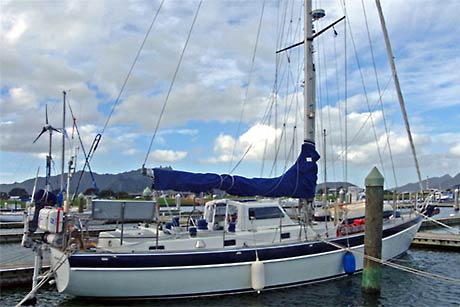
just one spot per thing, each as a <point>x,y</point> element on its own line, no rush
<point>298,181</point>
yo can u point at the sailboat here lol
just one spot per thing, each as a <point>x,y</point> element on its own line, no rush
<point>236,246</point>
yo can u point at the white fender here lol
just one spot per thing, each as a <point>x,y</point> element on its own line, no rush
<point>257,275</point>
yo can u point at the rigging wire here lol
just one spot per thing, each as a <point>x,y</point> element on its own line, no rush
<point>277,84</point>
<point>172,83</point>
<point>289,86</point>
<point>319,97</point>
<point>339,105</point>
<point>288,109</point>
<point>299,103</point>
<point>272,103</point>
<point>248,83</point>
<point>398,91</point>
<point>86,158</point>
<point>329,135</point>
<point>117,100</point>
<point>287,73</point>
<point>358,63</point>
<point>363,125</point>
<point>387,134</point>
<point>267,117</point>
<point>345,169</point>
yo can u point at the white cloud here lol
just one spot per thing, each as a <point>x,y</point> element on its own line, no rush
<point>130,152</point>
<point>455,150</point>
<point>168,156</point>
<point>260,139</point>
<point>20,99</point>
<point>17,26</point>
<point>224,146</point>
<point>189,132</point>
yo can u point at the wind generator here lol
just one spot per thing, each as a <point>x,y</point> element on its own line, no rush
<point>50,130</point>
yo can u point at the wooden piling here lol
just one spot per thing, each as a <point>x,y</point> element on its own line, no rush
<point>80,204</point>
<point>456,206</point>
<point>371,277</point>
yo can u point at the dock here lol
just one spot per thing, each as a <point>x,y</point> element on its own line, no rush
<point>11,225</point>
<point>437,241</point>
<point>18,275</point>
<point>17,237</point>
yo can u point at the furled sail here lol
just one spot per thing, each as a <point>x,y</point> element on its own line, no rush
<point>298,181</point>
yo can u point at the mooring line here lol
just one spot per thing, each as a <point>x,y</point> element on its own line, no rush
<point>398,266</point>
<point>449,228</point>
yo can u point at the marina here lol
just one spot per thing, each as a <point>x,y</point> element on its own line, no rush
<point>279,239</point>
<point>16,269</point>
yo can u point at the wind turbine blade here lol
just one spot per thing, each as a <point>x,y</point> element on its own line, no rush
<point>54,129</point>
<point>43,131</point>
<point>46,113</point>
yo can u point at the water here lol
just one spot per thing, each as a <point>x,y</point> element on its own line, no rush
<point>13,254</point>
<point>398,289</point>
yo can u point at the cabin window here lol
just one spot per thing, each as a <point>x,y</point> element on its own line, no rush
<point>264,213</point>
<point>156,247</point>
<point>219,216</point>
<point>232,213</point>
<point>229,242</point>
<point>285,235</point>
<point>220,209</point>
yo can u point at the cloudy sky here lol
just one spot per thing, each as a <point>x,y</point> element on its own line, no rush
<point>230,103</point>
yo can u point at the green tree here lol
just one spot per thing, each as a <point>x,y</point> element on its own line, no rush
<point>18,192</point>
<point>90,191</point>
<point>122,195</point>
<point>106,193</point>
<point>3,195</point>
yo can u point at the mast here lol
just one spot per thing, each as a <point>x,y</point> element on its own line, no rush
<point>398,91</point>
<point>324,167</point>
<point>309,76</point>
<point>63,142</point>
<point>48,158</point>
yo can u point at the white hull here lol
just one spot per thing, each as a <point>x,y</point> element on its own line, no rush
<point>198,280</point>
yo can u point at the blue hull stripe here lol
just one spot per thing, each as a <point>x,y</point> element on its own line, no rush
<point>233,256</point>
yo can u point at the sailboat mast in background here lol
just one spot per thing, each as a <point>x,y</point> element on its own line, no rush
<point>398,91</point>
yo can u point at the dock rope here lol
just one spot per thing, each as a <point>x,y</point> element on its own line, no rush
<point>398,266</point>
<point>449,228</point>
<point>46,276</point>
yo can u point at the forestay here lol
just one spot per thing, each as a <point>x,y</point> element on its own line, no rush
<point>298,181</point>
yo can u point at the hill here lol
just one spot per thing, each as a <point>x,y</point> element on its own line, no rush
<point>130,182</point>
<point>445,182</point>
<point>134,182</point>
